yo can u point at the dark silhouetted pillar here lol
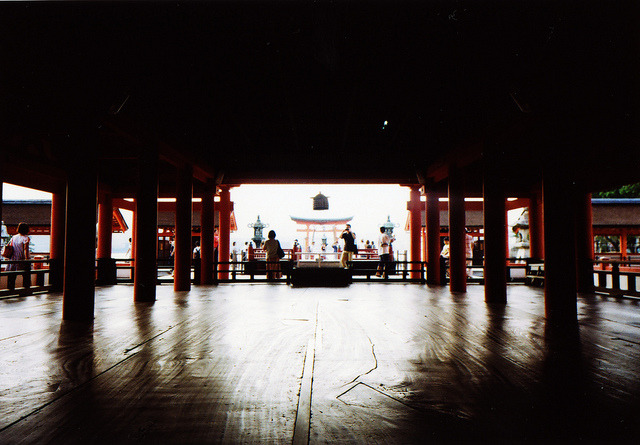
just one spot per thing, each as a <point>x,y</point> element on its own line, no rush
<point>225,231</point>
<point>560,250</point>
<point>433,238</point>
<point>457,256</point>
<point>146,229</point>
<point>415,208</point>
<point>584,243</point>
<point>106,265</point>
<point>206,233</point>
<point>80,243</point>
<point>495,239</point>
<point>183,250</point>
<point>56,241</point>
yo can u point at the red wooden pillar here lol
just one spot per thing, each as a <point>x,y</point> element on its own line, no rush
<point>80,243</point>
<point>415,208</point>
<point>623,243</point>
<point>433,238</point>
<point>146,229</point>
<point>134,223</point>
<point>225,231</point>
<point>106,265</point>
<point>423,242</point>
<point>536,235</point>
<point>105,222</point>
<point>56,241</point>
<point>560,249</point>
<point>584,244</point>
<point>495,239</point>
<point>183,249</point>
<point>206,233</point>
<point>457,255</point>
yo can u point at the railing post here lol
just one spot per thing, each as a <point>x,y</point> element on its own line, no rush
<point>615,276</point>
<point>602,278</point>
<point>631,282</point>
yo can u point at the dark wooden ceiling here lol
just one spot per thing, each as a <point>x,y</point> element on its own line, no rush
<point>290,91</point>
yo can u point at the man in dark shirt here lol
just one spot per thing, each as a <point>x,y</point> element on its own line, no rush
<point>349,246</point>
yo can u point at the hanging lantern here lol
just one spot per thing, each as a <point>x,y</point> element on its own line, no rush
<point>320,202</point>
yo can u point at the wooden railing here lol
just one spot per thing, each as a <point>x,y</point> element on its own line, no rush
<point>32,276</point>
<point>361,270</point>
<point>613,277</point>
<point>617,278</point>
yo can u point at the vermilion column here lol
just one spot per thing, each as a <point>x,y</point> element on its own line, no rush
<point>182,254</point>
<point>225,231</point>
<point>560,249</point>
<point>416,227</point>
<point>495,240</point>
<point>105,222</point>
<point>206,234</point>
<point>134,224</point>
<point>56,241</point>
<point>146,229</point>
<point>433,238</point>
<point>457,256</point>
<point>106,265</point>
<point>584,244</point>
<point>80,244</point>
<point>536,236</point>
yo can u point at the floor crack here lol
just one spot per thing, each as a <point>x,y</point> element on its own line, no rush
<point>375,359</point>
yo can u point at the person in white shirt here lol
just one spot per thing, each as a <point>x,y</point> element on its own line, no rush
<point>384,244</point>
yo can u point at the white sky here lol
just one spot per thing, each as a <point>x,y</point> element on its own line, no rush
<point>368,204</point>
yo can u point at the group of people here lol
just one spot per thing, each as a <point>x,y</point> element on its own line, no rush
<point>274,252</point>
<point>384,250</point>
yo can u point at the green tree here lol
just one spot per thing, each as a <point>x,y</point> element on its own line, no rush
<point>626,191</point>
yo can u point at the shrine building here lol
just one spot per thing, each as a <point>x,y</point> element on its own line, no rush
<point>130,105</point>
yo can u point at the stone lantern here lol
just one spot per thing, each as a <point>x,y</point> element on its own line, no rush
<point>389,226</point>
<point>257,232</point>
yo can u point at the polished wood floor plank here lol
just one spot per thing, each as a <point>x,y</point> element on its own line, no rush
<point>393,363</point>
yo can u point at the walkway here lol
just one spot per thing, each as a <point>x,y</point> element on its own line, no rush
<point>371,363</point>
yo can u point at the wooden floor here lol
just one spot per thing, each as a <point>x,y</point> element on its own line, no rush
<point>369,363</point>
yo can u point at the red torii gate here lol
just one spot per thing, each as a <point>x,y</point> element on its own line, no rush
<point>318,225</point>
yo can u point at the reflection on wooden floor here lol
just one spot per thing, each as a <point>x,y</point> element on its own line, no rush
<point>376,363</point>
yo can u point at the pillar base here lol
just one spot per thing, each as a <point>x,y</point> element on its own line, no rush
<point>107,274</point>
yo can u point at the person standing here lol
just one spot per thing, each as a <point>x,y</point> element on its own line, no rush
<point>468,251</point>
<point>271,246</point>
<point>234,255</point>
<point>216,243</point>
<point>349,246</point>
<point>20,243</point>
<point>444,261</point>
<point>384,243</point>
<point>243,252</point>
